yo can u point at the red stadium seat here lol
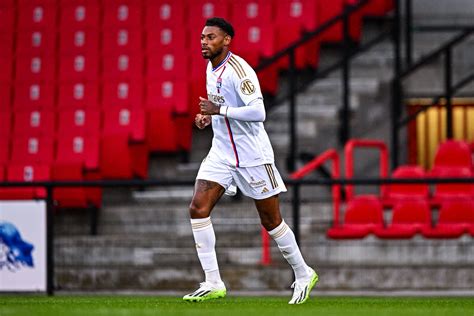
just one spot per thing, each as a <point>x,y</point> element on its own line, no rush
<point>78,95</point>
<point>5,125</point>
<point>122,94</point>
<point>205,9</point>
<point>329,9</point>
<point>377,7</point>
<point>255,40</point>
<point>77,158</point>
<point>25,173</point>
<point>79,15</point>
<point>36,42</point>
<point>75,41</point>
<point>32,150</point>
<point>123,66</point>
<point>251,11</point>
<point>4,151</point>
<point>35,68</point>
<point>456,217</point>
<point>33,96</point>
<point>393,193</point>
<point>452,190</point>
<point>292,18</point>
<point>167,64</point>
<point>124,136</point>
<point>80,122</point>
<point>79,67</point>
<point>409,217</point>
<point>173,93</point>
<point>7,19</point>
<point>6,76</point>
<point>34,123</point>
<point>164,12</point>
<point>7,47</point>
<point>5,97</point>
<point>451,154</point>
<point>122,13</point>
<point>166,38</point>
<point>364,215</point>
<point>161,129</point>
<point>35,16</point>
<point>126,40</point>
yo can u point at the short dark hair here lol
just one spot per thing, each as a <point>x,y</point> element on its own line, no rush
<point>222,24</point>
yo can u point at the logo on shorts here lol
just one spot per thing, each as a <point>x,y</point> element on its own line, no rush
<point>265,190</point>
<point>247,87</point>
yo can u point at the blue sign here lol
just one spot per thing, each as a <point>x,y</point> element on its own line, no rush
<point>14,251</point>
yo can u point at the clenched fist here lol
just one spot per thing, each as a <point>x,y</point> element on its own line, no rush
<point>202,121</point>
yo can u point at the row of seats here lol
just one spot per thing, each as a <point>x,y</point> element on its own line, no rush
<point>413,205</point>
<point>364,216</point>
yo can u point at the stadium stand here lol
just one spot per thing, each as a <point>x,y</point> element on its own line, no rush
<point>392,193</point>
<point>456,217</point>
<point>75,67</point>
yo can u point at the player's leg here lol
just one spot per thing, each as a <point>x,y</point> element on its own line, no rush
<point>305,277</point>
<point>211,182</point>
<point>206,195</point>
<point>263,183</point>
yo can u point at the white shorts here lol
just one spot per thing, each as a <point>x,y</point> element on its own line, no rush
<point>259,182</point>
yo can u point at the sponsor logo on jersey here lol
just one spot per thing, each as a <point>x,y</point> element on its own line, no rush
<point>247,87</point>
<point>216,98</point>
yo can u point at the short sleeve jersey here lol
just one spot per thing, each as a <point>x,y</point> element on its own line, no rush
<point>234,83</point>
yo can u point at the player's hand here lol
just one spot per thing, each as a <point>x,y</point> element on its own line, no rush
<point>208,107</point>
<point>202,121</point>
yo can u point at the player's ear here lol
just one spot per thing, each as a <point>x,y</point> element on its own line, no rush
<point>227,39</point>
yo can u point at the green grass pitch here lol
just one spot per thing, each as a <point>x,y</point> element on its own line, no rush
<point>241,306</point>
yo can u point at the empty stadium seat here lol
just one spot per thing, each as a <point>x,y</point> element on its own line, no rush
<point>32,150</point>
<point>456,217</point>
<point>77,158</point>
<point>161,129</point>
<point>79,67</point>
<point>83,122</point>
<point>122,94</point>
<point>7,47</point>
<point>205,9</point>
<point>452,154</point>
<point>36,68</point>
<point>328,10</point>
<point>364,215</point>
<point>167,64</point>
<point>35,16</point>
<point>169,92</point>
<point>122,40</point>
<point>34,123</point>
<point>452,190</point>
<point>36,42</point>
<point>392,193</point>
<point>6,75</point>
<point>27,172</point>
<point>5,97</point>
<point>124,66</point>
<point>79,41</point>
<point>292,18</point>
<point>164,12</point>
<point>122,13</point>
<point>124,136</point>
<point>7,18</point>
<point>251,11</point>
<point>79,15</point>
<point>4,151</point>
<point>168,37</point>
<point>33,96</point>
<point>5,124</point>
<point>78,95</point>
<point>409,218</point>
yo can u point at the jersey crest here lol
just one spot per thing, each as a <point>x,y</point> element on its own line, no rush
<point>247,87</point>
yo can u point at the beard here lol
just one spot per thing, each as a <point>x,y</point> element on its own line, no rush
<point>211,55</point>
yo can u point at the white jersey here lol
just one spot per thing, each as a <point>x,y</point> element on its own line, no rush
<point>234,83</point>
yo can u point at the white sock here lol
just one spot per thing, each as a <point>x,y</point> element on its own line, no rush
<point>285,239</point>
<point>205,240</point>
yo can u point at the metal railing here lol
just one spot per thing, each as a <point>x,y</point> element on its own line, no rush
<point>450,89</point>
